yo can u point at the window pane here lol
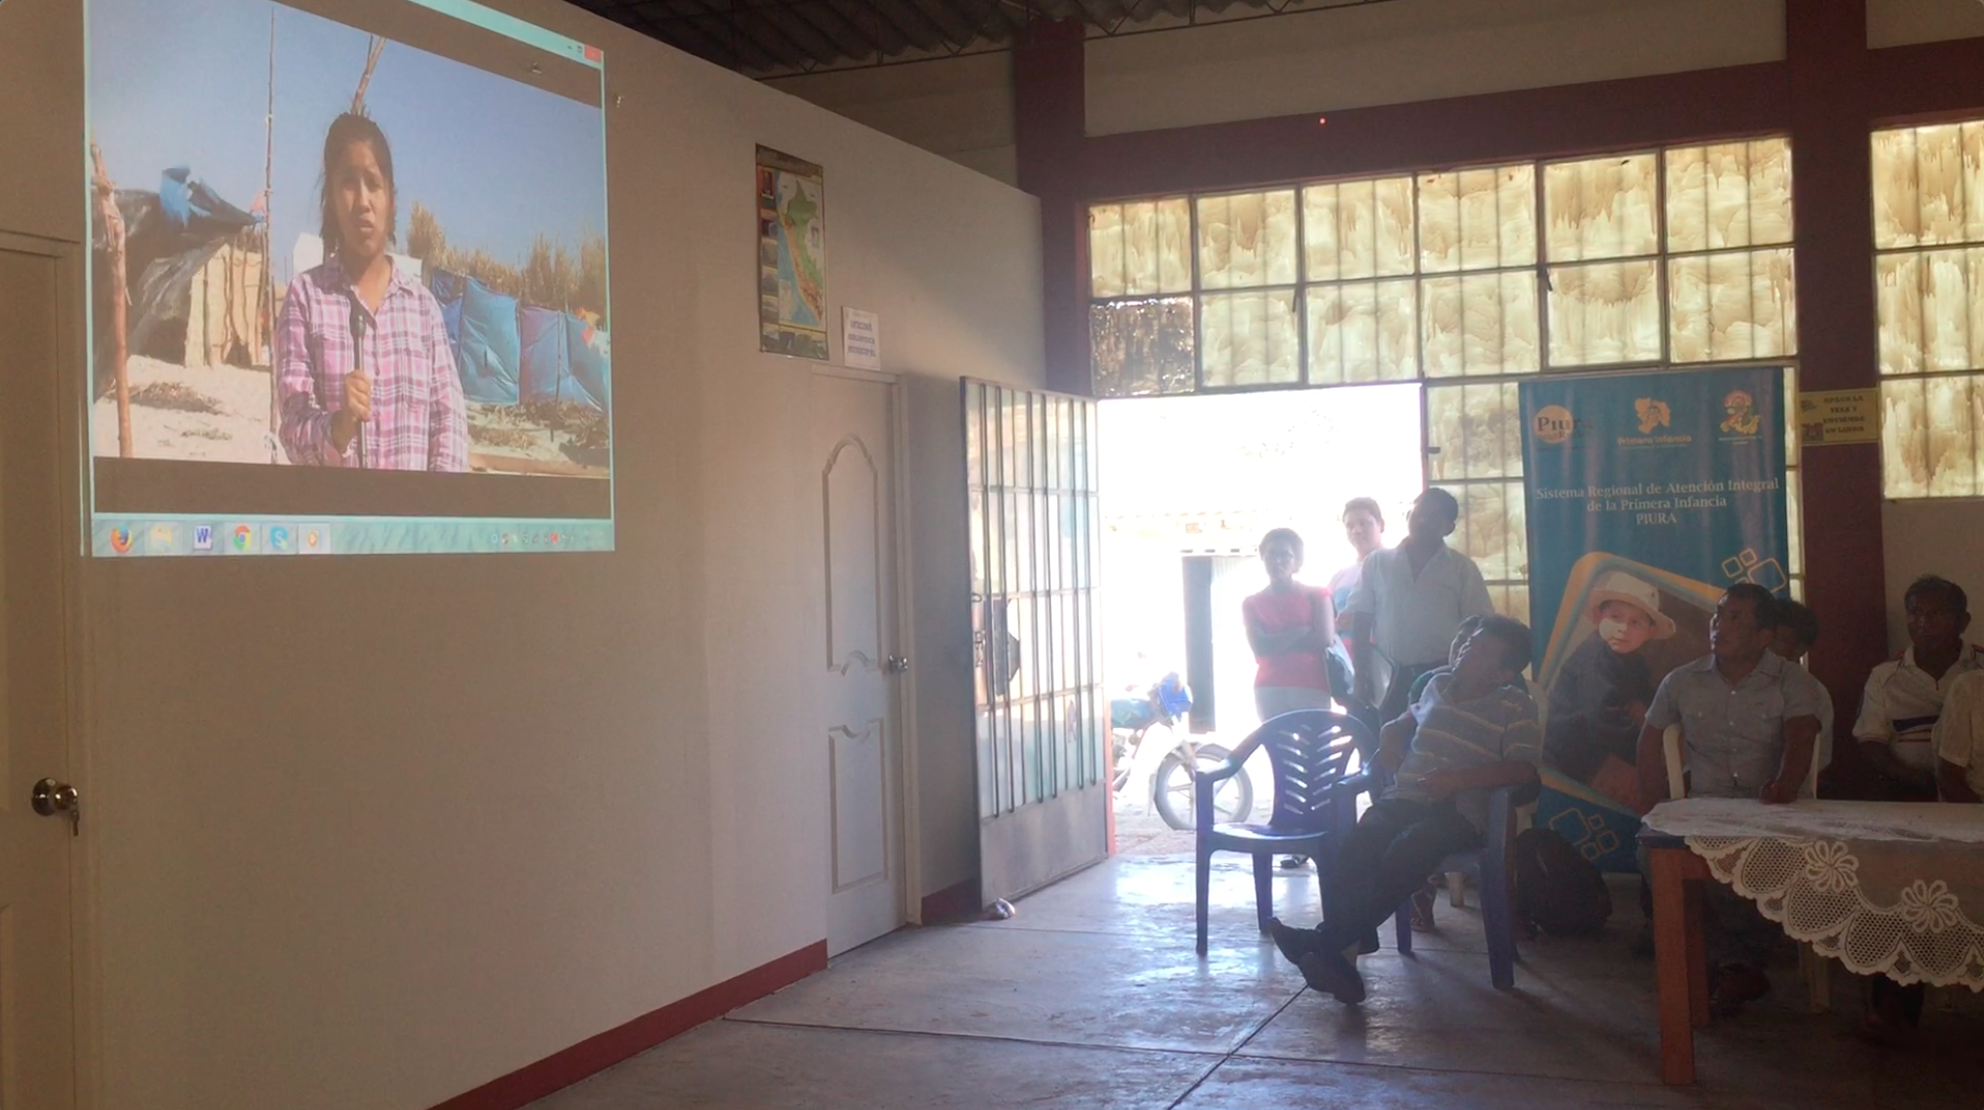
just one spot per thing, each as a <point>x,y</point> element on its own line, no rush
<point>1480,324</point>
<point>1137,348</point>
<point>1250,338</point>
<point>1490,530</point>
<point>1477,219</point>
<point>1247,240</point>
<point>1931,309</point>
<point>1140,248</point>
<point>1599,208</point>
<point>1603,314</point>
<point>1929,436</point>
<point>1731,306</point>
<point>1473,431</point>
<point>1358,229</point>
<point>1929,185</point>
<point>1729,195</point>
<point>1362,332</point>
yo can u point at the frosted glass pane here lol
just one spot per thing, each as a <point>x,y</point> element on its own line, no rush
<point>1604,314</point>
<point>1477,219</point>
<point>1930,435</point>
<point>1105,250</point>
<point>1731,306</point>
<point>1897,214</point>
<point>1481,324</point>
<point>1729,195</point>
<point>1794,518</point>
<point>1953,419</point>
<point>1599,208</point>
<point>1248,338</point>
<point>1490,531</point>
<point>1362,332</point>
<point>1392,251</point>
<point>1138,348</point>
<point>1247,240</point>
<point>1320,247</point>
<point>1929,185</point>
<point>1898,305</point>
<point>1515,605</point>
<point>1140,248</point>
<point>1473,431</point>
<point>1953,309</point>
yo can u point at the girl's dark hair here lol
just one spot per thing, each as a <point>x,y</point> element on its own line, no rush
<point>1284,535</point>
<point>349,128</point>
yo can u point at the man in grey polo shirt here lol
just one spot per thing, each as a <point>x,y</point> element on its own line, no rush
<point>1749,726</point>
<point>1409,603</point>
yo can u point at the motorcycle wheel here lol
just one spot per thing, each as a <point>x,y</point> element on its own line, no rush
<point>1232,802</point>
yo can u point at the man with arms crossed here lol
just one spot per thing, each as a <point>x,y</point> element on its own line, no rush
<point>1409,603</point>
<point>1749,729</point>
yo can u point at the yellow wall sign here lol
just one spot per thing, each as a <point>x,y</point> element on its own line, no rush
<point>1839,416</point>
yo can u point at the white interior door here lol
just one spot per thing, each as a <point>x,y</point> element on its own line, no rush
<point>37,1025</point>
<point>853,440</point>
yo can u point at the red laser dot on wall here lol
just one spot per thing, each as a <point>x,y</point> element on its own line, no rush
<point>1321,120</point>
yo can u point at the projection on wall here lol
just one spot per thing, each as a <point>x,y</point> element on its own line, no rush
<point>348,281</point>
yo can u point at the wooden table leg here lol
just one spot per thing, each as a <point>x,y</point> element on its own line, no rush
<point>1673,955</point>
<point>1691,917</point>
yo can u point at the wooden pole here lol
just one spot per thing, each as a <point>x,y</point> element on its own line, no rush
<point>120,352</point>
<point>268,238</point>
<point>371,61</point>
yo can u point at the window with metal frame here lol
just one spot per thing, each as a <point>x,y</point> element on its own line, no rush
<point>1637,260</point>
<point>1929,297</point>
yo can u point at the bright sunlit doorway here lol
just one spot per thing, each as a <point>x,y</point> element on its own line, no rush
<point>1188,486</point>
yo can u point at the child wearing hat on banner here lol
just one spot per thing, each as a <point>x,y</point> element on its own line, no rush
<point>1598,701</point>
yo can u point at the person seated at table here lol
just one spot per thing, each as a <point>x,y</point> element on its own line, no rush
<point>1473,730</point>
<point>1904,695</point>
<point>1423,898</point>
<point>1797,635</point>
<point>1749,726</point>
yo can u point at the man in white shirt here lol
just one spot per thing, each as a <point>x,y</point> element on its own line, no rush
<point>1409,603</point>
<point>1904,696</point>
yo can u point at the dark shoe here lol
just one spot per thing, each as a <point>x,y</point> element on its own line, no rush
<point>1294,863</point>
<point>1294,943</point>
<point>1333,975</point>
<point>1733,985</point>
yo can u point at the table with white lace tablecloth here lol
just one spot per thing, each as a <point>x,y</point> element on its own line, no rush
<point>1886,888</point>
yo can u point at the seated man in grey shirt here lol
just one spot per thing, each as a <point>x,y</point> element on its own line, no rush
<point>1749,729</point>
<point>1470,732</point>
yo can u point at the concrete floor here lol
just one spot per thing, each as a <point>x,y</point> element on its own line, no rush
<point>1092,997</point>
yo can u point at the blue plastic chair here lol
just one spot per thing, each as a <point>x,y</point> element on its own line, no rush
<point>1489,867</point>
<point>1314,801</point>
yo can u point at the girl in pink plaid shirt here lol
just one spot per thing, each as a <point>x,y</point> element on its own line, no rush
<point>365,374</point>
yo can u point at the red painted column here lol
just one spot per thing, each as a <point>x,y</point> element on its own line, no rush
<point>1049,129</point>
<point>1832,208</point>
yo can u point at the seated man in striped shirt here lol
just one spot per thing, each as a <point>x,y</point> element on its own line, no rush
<point>1470,732</point>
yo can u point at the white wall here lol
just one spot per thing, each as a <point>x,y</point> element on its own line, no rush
<point>1931,537</point>
<point>961,108</point>
<point>1410,50</point>
<point>1901,22</point>
<point>344,857</point>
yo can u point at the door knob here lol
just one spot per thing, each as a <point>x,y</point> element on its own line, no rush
<point>897,664</point>
<point>51,797</point>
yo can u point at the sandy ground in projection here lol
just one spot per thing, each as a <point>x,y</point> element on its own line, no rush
<point>221,414</point>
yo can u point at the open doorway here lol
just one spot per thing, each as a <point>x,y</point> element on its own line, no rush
<point>1189,485</point>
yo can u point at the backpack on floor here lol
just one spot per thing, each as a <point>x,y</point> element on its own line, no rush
<point>1557,889</point>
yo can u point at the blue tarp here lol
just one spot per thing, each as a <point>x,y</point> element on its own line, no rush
<point>564,359</point>
<point>483,327</point>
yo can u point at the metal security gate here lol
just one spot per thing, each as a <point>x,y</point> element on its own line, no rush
<point>1043,799</point>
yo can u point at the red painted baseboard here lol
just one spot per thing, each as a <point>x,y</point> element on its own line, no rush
<point>595,1054</point>
<point>958,902</point>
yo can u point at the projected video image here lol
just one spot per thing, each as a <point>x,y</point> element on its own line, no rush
<point>315,246</point>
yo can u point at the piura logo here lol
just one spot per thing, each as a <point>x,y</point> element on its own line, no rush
<point>1552,424</point>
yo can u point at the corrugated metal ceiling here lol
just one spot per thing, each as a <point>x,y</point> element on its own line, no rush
<point>777,37</point>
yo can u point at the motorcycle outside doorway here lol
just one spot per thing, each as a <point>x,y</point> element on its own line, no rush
<point>1157,760</point>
